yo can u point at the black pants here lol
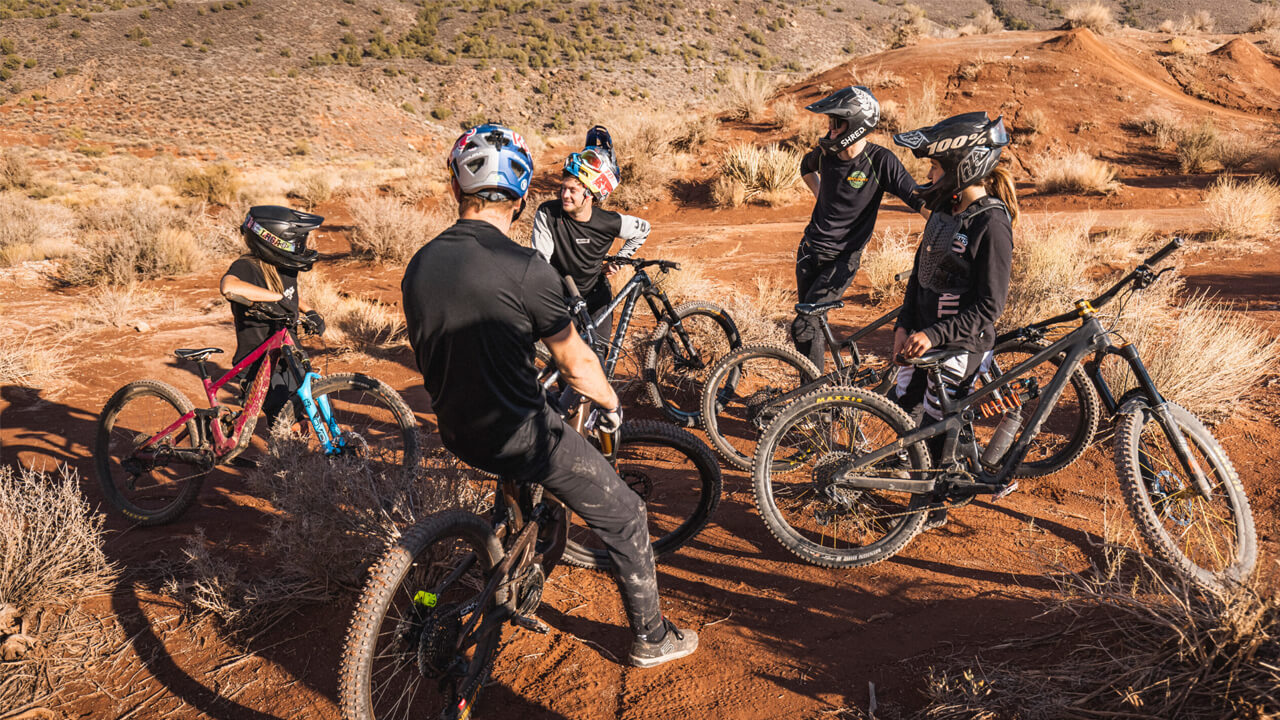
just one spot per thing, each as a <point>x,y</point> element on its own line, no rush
<point>819,280</point>
<point>546,450</point>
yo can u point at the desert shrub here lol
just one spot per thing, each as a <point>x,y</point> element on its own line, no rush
<point>1268,163</point>
<point>889,253</point>
<point>1266,18</point>
<point>120,306</point>
<point>877,78</point>
<point>642,143</point>
<point>748,94</point>
<point>1050,262</point>
<point>1033,122</point>
<point>909,29</point>
<point>728,192</point>
<point>387,230</point>
<point>31,230</point>
<point>1236,150</point>
<point>767,174</point>
<point>1243,209</point>
<point>1122,244</point>
<point>33,361</point>
<point>1162,125</point>
<point>218,184</point>
<point>128,169</point>
<point>984,22</point>
<point>784,113</point>
<point>130,237</point>
<point>52,561</point>
<point>694,133</point>
<point>1130,647</point>
<point>314,187</point>
<point>1075,172</point>
<point>15,174</point>
<point>1200,21</point>
<point>1093,15</point>
<point>1196,147</point>
<point>422,179</point>
<point>355,323</point>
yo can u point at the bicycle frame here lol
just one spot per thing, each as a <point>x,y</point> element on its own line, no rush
<point>279,345</point>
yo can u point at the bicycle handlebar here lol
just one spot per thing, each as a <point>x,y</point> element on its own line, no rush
<point>571,287</point>
<point>1142,271</point>
<point>639,263</point>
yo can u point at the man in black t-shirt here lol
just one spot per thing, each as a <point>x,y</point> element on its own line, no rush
<point>849,176</point>
<point>475,303</point>
<point>575,236</point>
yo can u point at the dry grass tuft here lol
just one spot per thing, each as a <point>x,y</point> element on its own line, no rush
<point>129,237</point>
<point>984,22</point>
<point>1265,19</point>
<point>15,174</point>
<point>31,230</point>
<point>1268,163</point>
<point>646,155</point>
<point>888,254</point>
<point>1050,261</point>
<point>119,306</point>
<point>1131,647</point>
<point>909,30</point>
<point>766,174</point>
<point>1196,147</point>
<point>1243,209</point>
<point>314,187</point>
<point>697,131</point>
<point>1236,150</point>
<point>354,323</point>
<point>1075,172</point>
<point>748,93</point>
<point>387,230</point>
<point>784,113</point>
<point>52,562</point>
<point>218,184</point>
<point>1093,15</point>
<point>1163,125</point>
<point>877,78</point>
<point>33,361</point>
<point>1033,122</point>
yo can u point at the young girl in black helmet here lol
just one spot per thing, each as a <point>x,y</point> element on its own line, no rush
<point>960,279</point>
<point>849,176</point>
<point>267,275</point>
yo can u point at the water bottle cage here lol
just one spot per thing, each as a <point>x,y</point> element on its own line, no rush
<point>1010,398</point>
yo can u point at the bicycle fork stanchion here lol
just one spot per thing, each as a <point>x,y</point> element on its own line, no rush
<point>320,414</point>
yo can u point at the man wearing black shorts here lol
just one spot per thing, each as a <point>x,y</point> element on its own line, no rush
<point>849,177</point>
<point>475,303</point>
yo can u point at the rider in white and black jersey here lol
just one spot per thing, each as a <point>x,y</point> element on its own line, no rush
<point>574,235</point>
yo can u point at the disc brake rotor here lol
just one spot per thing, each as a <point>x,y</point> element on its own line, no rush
<point>1166,490</point>
<point>639,482</point>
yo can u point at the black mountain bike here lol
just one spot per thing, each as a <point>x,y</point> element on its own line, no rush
<point>688,340</point>
<point>843,478</point>
<point>750,386</point>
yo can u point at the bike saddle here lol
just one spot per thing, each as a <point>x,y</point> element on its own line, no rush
<point>933,358</point>
<point>197,354</point>
<point>818,308</point>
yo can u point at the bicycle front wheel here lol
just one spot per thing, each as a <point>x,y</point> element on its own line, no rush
<point>676,368</point>
<point>677,477</point>
<point>374,420</point>
<point>144,474</point>
<point>798,480</point>
<point>1210,540</point>
<point>741,395</point>
<point>404,655</point>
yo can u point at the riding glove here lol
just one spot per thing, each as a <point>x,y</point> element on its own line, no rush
<point>314,322</point>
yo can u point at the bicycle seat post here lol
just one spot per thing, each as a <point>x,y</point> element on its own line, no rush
<point>834,346</point>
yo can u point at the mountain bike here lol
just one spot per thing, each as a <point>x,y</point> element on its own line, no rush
<point>674,472</point>
<point>842,477</point>
<point>751,385</point>
<point>688,340</point>
<point>154,448</point>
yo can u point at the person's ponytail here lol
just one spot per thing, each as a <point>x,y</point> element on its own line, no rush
<point>1000,184</point>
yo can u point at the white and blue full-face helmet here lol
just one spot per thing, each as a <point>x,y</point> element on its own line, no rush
<point>491,161</point>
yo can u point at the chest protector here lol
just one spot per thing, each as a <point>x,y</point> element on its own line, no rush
<point>945,260</point>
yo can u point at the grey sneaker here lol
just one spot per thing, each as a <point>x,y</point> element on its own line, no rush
<point>674,645</point>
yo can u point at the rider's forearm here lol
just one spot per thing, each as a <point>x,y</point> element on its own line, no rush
<point>584,375</point>
<point>237,290</point>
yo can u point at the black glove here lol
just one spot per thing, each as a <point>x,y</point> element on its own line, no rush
<point>313,322</point>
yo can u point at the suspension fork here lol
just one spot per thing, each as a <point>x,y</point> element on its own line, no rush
<point>1160,407</point>
<point>690,355</point>
<point>318,411</point>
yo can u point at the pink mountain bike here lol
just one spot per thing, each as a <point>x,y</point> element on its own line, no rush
<point>154,448</point>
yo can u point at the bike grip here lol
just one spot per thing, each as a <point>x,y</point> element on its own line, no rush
<point>1165,251</point>
<point>904,275</point>
<point>571,287</point>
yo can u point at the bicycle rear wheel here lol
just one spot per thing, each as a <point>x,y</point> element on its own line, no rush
<point>374,420</point>
<point>674,371</point>
<point>677,477</point>
<point>403,656</point>
<point>1210,540</point>
<point>738,397</point>
<point>142,478</point>
<point>1069,428</point>
<point>815,514</point>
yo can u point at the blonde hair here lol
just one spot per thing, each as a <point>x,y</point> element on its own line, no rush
<point>269,272</point>
<point>1000,184</point>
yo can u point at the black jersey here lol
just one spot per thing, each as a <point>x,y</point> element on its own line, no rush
<point>251,333</point>
<point>849,195</point>
<point>960,280</point>
<point>475,302</point>
<point>578,249</point>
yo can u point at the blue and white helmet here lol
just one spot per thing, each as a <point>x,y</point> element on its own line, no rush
<point>491,161</point>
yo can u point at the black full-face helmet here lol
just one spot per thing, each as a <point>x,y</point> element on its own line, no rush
<point>856,107</point>
<point>966,146</point>
<point>278,235</point>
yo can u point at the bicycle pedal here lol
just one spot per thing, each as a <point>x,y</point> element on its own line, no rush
<point>1006,490</point>
<point>530,623</point>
